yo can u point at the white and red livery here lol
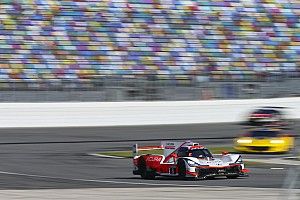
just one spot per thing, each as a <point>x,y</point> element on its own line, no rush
<point>187,160</point>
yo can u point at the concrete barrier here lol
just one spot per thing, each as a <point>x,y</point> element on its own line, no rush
<point>135,113</point>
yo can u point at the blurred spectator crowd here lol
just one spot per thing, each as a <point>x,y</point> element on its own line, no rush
<point>80,40</point>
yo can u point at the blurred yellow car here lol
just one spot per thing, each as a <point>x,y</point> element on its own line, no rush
<point>264,141</point>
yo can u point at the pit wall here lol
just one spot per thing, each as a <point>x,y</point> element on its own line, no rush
<point>135,113</point>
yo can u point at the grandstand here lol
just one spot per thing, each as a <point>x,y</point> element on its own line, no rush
<point>78,41</point>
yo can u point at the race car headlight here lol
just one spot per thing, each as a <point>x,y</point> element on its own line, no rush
<point>244,141</point>
<point>277,141</point>
<point>192,163</point>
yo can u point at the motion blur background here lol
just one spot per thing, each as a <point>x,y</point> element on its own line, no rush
<point>125,50</point>
<point>134,50</point>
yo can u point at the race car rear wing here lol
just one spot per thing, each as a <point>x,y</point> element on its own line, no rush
<point>168,147</point>
<point>135,150</point>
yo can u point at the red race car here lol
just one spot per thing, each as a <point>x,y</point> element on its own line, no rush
<point>187,160</point>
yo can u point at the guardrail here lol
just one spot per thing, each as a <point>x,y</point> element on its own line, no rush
<point>135,113</point>
<point>142,89</point>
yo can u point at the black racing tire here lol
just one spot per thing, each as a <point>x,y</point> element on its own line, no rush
<point>142,167</point>
<point>232,176</point>
<point>181,169</point>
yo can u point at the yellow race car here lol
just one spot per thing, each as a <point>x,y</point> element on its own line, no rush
<point>264,141</point>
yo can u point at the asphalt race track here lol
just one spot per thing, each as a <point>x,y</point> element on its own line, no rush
<point>56,158</point>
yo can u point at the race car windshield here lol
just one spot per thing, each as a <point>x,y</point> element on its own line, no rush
<point>200,153</point>
<point>264,134</point>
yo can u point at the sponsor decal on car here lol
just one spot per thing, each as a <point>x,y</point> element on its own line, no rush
<point>153,158</point>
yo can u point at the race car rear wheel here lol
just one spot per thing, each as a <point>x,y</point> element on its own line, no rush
<point>142,167</point>
<point>181,169</point>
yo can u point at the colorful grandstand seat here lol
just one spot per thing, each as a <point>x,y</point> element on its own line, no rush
<point>53,40</point>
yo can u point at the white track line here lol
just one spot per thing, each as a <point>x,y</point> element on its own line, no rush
<point>99,181</point>
<point>105,156</point>
<point>112,182</point>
